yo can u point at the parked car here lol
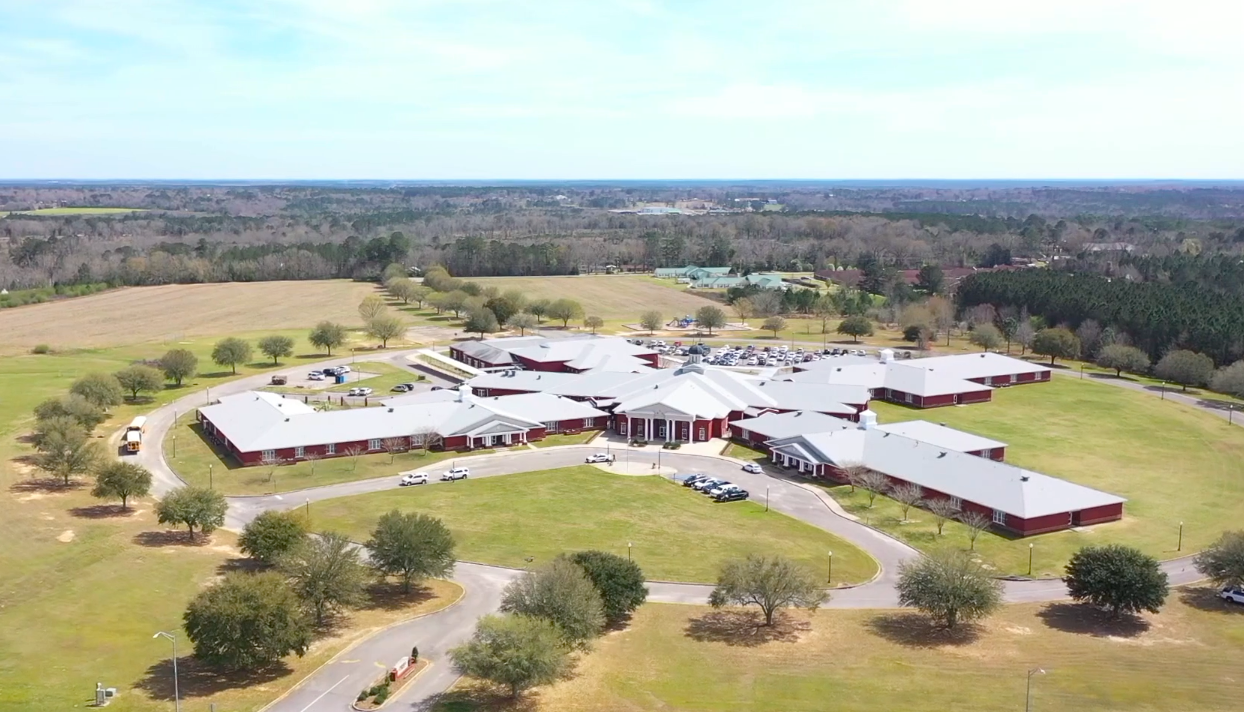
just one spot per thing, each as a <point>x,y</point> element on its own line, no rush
<point>315,376</point>
<point>403,388</point>
<point>753,468</point>
<point>708,484</point>
<point>1232,594</point>
<point>413,478</point>
<point>360,391</point>
<point>600,457</point>
<point>457,473</point>
<point>733,495</point>
<point>727,487</point>
<point>693,480</point>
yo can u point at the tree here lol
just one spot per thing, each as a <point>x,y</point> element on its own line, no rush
<point>1123,358</point>
<point>354,452</point>
<point>1223,561</point>
<point>1230,380</point>
<point>455,301</point>
<point>774,324</point>
<point>121,480</point>
<point>931,280</point>
<point>419,295</point>
<point>247,621</point>
<point>651,320</point>
<point>562,593</point>
<point>66,453</point>
<point>1056,343</point>
<point>518,652</point>
<point>619,581</point>
<point>140,378</point>
<point>949,586</point>
<point>770,582</point>
<point>1117,578</point>
<point>976,523</point>
<point>522,321</point>
<point>1089,332</point>
<point>195,507</point>
<point>327,573</point>
<point>872,482</point>
<point>481,321</point>
<point>277,347</point>
<point>742,306</point>
<point>1024,334</point>
<point>231,352</point>
<point>766,303</point>
<point>272,535</point>
<point>539,308</point>
<point>385,328</point>
<point>1187,368</point>
<point>593,323</point>
<point>855,327</point>
<point>73,407</point>
<point>412,546</point>
<point>327,335</point>
<point>906,494</point>
<point>371,307</point>
<point>506,305</point>
<point>393,446</point>
<point>178,365</point>
<point>102,389</point>
<point>986,336</point>
<point>564,310</point>
<point>943,313</point>
<point>943,509</point>
<point>402,288</point>
<point>710,318</point>
<point>825,308</point>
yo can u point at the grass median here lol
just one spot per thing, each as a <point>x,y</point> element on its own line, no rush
<point>675,533</point>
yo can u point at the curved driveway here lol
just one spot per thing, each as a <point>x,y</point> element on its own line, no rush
<point>334,686</point>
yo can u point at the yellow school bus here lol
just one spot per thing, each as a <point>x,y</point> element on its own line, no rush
<point>134,434</point>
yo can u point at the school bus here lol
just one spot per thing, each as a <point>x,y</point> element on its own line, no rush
<point>134,434</point>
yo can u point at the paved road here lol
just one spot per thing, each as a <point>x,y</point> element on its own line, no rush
<point>335,685</point>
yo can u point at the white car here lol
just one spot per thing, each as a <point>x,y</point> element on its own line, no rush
<point>722,489</point>
<point>1233,595</point>
<point>457,473</point>
<point>600,457</point>
<point>708,484</point>
<point>360,391</point>
<point>413,478</point>
<point>752,468</point>
<point>315,376</point>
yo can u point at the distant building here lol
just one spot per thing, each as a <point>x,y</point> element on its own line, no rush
<point>1109,247</point>
<point>690,272</point>
<point>569,355</point>
<point>763,281</point>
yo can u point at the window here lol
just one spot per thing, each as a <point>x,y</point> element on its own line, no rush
<point>622,427</point>
<point>589,422</point>
<point>553,426</point>
<point>956,503</point>
<point>703,434</point>
<point>373,444</point>
<point>299,452</point>
<point>999,517</point>
<point>269,455</point>
<point>330,449</point>
<point>907,397</point>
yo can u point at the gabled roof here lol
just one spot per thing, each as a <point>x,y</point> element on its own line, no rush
<point>941,436</point>
<point>485,351</point>
<point>783,425</point>
<point>981,365</point>
<point>1014,490</point>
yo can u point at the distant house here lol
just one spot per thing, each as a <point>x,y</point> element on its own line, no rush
<point>1109,247</point>
<point>763,281</point>
<point>690,272</point>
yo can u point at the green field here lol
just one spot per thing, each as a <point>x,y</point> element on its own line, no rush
<point>1173,463</point>
<point>1185,659</point>
<point>676,534</point>
<point>560,440</point>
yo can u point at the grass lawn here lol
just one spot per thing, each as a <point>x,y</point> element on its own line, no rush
<point>383,376</point>
<point>195,452</point>
<point>873,660</point>
<point>559,440</point>
<point>607,296</point>
<point>677,534</point>
<point>744,452</point>
<point>1173,463</point>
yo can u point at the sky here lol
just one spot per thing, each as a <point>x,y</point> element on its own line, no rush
<point>621,89</point>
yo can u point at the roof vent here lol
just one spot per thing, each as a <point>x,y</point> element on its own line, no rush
<point>1023,478</point>
<point>982,355</point>
<point>390,409</point>
<point>941,454</point>
<point>287,420</point>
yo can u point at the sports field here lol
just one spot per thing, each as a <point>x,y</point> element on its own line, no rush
<point>691,658</point>
<point>677,534</point>
<point>177,312</point>
<point>610,297</point>
<point>1173,463</point>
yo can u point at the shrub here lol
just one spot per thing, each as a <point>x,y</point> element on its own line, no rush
<point>41,349</point>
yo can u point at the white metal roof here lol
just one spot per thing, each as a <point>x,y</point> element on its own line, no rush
<point>941,435</point>
<point>981,365</point>
<point>783,425</point>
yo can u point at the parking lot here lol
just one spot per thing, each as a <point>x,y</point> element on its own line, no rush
<point>755,355</point>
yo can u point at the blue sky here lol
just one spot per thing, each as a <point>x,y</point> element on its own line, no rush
<point>479,89</point>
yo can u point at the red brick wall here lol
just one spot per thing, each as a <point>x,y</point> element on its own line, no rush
<point>1040,525</point>
<point>1097,515</point>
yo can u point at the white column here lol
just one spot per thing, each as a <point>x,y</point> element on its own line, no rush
<point>669,435</point>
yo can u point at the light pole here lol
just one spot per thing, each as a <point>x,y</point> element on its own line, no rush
<point>766,498</point>
<point>176,688</point>
<point>1180,547</point>
<point>1030,546</point>
<point>174,447</point>
<point>829,575</point>
<point>1230,412</point>
<point>309,515</point>
<point>210,485</point>
<point>628,551</point>
<point>1028,689</point>
<point>1163,390</point>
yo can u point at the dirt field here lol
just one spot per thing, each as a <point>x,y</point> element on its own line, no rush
<point>607,296</point>
<point>139,314</point>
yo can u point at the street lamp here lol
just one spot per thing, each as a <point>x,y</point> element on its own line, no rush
<point>176,689</point>
<point>1028,689</point>
<point>174,447</point>
<point>309,514</point>
<point>1180,547</point>
<point>628,550</point>
<point>829,575</point>
<point>1163,390</point>
<point>209,476</point>
<point>1030,546</point>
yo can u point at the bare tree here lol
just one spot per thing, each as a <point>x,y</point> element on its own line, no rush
<point>976,523</point>
<point>354,451</point>
<point>271,463</point>
<point>874,483</point>
<point>311,458</point>
<point>853,471</point>
<point>906,494</point>
<point>425,437</point>
<point>943,509</point>
<point>395,445</point>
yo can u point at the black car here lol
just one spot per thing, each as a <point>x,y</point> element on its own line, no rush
<point>694,479</point>
<point>731,496</point>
